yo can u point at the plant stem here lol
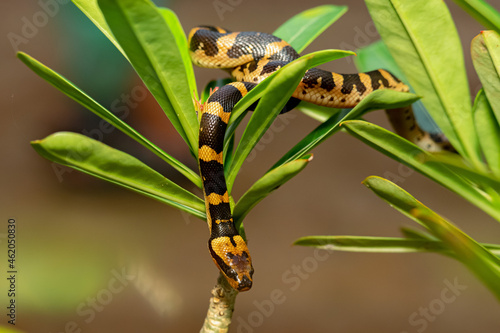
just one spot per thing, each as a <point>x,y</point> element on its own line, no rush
<point>221,307</point>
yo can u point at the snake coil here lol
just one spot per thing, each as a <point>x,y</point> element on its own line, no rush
<point>250,57</point>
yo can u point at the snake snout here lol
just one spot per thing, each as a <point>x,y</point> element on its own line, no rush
<point>231,255</point>
<point>242,270</point>
<point>244,284</point>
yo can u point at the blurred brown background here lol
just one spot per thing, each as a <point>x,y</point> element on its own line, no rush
<point>78,236</point>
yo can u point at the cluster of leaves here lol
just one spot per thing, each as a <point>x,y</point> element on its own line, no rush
<point>433,64</point>
<point>153,41</point>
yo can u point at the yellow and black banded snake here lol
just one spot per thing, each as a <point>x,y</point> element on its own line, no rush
<point>250,57</point>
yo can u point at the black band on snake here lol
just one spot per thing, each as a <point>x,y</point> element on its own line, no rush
<point>250,57</point>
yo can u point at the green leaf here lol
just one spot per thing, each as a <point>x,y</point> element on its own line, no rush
<point>228,158</point>
<point>93,12</point>
<point>273,93</point>
<point>303,28</point>
<point>424,29</point>
<point>317,112</point>
<point>482,179</point>
<point>70,90</point>
<point>483,263</point>
<point>314,59</point>
<point>99,160</point>
<point>485,49</point>
<point>371,244</point>
<point>229,140</point>
<point>483,12</point>
<point>281,87</point>
<point>487,126</point>
<point>180,38</point>
<point>379,99</point>
<point>376,56</point>
<point>151,47</point>
<point>410,155</point>
<point>477,258</point>
<point>395,196</point>
<point>493,248</point>
<point>381,244</point>
<point>267,184</point>
<point>417,234</point>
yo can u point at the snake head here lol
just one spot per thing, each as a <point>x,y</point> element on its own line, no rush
<point>230,254</point>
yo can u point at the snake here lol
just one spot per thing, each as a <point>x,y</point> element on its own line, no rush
<point>250,57</point>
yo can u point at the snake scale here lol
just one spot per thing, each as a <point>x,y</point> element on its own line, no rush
<point>250,57</point>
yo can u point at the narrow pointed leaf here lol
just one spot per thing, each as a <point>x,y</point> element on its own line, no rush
<point>482,11</point>
<point>99,160</point>
<point>482,179</point>
<point>425,28</point>
<point>273,93</point>
<point>485,49</point>
<point>321,57</point>
<point>380,99</point>
<point>477,258</point>
<point>303,28</point>
<point>91,9</point>
<point>280,89</point>
<point>70,90</point>
<point>395,196</point>
<point>381,244</point>
<point>228,157</point>
<point>493,248</point>
<point>409,154</point>
<point>371,244</point>
<point>228,150</point>
<point>314,59</point>
<point>483,263</point>
<point>151,47</point>
<point>180,38</point>
<point>417,234</point>
<point>267,184</point>
<point>487,126</point>
<point>317,112</point>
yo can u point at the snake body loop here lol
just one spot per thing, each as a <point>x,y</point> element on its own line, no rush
<point>250,57</point>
